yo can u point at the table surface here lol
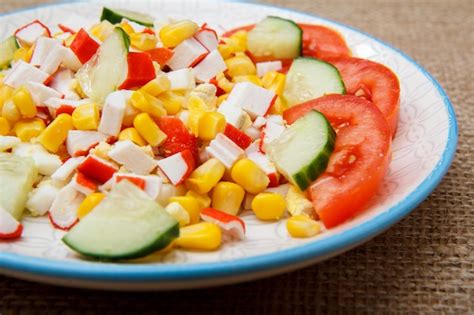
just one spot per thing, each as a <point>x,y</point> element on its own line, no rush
<point>424,264</point>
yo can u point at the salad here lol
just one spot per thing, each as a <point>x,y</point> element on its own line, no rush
<point>137,136</point>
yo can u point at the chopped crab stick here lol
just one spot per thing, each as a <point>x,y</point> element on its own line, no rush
<point>140,70</point>
<point>187,54</point>
<point>48,54</point>
<point>58,106</point>
<point>43,48</point>
<point>84,46</point>
<point>83,184</point>
<point>10,228</point>
<point>79,142</point>
<point>272,130</point>
<point>41,198</point>
<point>259,122</point>
<point>132,157</point>
<point>210,66</point>
<point>264,163</point>
<point>63,211</point>
<point>225,150</point>
<point>182,79</point>
<point>207,38</point>
<point>230,224</point>
<point>112,113</point>
<point>255,100</point>
<point>28,34</point>
<point>40,92</point>
<point>233,114</point>
<point>177,167</point>
<point>265,67</point>
<point>61,82</point>
<point>151,184</point>
<point>23,72</point>
<point>97,168</point>
<point>238,136</point>
<point>64,172</point>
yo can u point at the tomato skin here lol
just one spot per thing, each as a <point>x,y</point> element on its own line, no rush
<point>347,186</point>
<point>378,83</point>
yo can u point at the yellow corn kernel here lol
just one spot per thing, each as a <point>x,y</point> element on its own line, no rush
<point>127,28</point>
<point>10,111</point>
<point>247,78</point>
<point>239,41</point>
<point>4,126</point>
<point>191,205</point>
<point>268,206</point>
<point>225,50</point>
<point>228,197</point>
<point>197,103</point>
<point>89,203</point>
<point>148,129</point>
<point>24,102</point>
<point>22,53</point>
<point>274,81</point>
<point>210,125</point>
<point>76,87</point>
<point>201,236</point>
<point>172,101</point>
<point>28,128</point>
<point>222,98</point>
<point>297,203</point>
<point>247,174</point>
<point>132,135</point>
<point>240,64</point>
<point>177,211</point>
<point>5,93</point>
<point>147,103</point>
<point>206,176</point>
<point>143,41</point>
<point>56,132</point>
<point>157,86</point>
<point>279,106</point>
<point>86,117</point>
<point>224,83</point>
<point>301,226</point>
<point>203,199</point>
<point>129,114</point>
<point>173,34</point>
<point>102,30</point>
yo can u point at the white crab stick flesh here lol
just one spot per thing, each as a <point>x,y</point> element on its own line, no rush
<point>182,79</point>
<point>264,163</point>
<point>188,53</point>
<point>153,183</point>
<point>65,171</point>
<point>62,81</point>
<point>255,100</point>
<point>63,211</point>
<point>112,113</point>
<point>79,142</point>
<point>23,72</point>
<point>225,150</point>
<point>233,114</point>
<point>40,92</point>
<point>28,34</point>
<point>210,66</point>
<point>41,198</point>
<point>132,157</point>
<point>207,38</point>
<point>265,67</point>
<point>177,167</point>
<point>10,228</point>
<point>272,130</point>
<point>47,163</point>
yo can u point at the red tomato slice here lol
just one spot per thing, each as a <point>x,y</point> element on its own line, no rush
<point>373,81</point>
<point>360,159</point>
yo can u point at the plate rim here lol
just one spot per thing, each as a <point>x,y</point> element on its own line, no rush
<point>355,236</point>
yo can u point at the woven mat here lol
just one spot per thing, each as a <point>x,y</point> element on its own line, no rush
<point>424,264</point>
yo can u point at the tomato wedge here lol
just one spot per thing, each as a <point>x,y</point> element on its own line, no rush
<point>374,82</point>
<point>360,158</point>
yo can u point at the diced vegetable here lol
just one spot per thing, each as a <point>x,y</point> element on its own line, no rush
<point>116,16</point>
<point>7,49</point>
<point>301,226</point>
<point>248,175</point>
<point>200,236</point>
<point>228,197</point>
<point>268,206</point>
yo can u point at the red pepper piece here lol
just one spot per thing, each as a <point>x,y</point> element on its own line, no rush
<point>97,169</point>
<point>140,70</point>
<point>179,138</point>
<point>237,136</point>
<point>84,46</point>
<point>160,55</point>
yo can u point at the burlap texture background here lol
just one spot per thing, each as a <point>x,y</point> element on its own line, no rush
<point>424,264</point>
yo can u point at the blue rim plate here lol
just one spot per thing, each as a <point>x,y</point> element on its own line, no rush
<point>169,276</point>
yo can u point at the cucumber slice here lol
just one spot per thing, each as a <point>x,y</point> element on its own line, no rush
<point>275,37</point>
<point>126,224</point>
<point>115,16</point>
<point>17,175</point>
<point>7,49</point>
<point>105,71</point>
<point>310,78</point>
<point>302,151</point>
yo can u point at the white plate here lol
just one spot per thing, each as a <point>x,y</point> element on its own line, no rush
<point>422,152</point>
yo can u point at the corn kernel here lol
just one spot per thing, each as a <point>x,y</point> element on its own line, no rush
<point>28,128</point>
<point>240,64</point>
<point>268,206</point>
<point>172,101</point>
<point>239,41</point>
<point>157,86</point>
<point>247,78</point>
<point>203,199</point>
<point>86,117</point>
<point>56,132</point>
<point>222,98</point>
<point>21,53</point>
<point>279,106</point>
<point>173,34</point>
<point>143,41</point>
<point>274,81</point>
<point>127,28</point>
<point>206,176</point>
<point>228,197</point>
<point>5,93</point>
<point>102,30</point>
<point>191,205</point>
<point>301,226</point>
<point>4,126</point>
<point>297,202</point>
<point>24,102</point>
<point>177,211</point>
<point>224,83</point>
<point>225,50</point>
<point>10,112</point>
<point>201,236</point>
<point>89,203</point>
<point>76,87</point>
<point>147,103</point>
<point>210,125</point>
<point>132,135</point>
<point>247,174</point>
<point>148,129</point>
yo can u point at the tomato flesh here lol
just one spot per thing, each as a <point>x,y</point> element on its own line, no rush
<point>374,82</point>
<point>360,158</point>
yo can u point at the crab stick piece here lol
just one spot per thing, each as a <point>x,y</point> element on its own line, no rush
<point>63,211</point>
<point>177,167</point>
<point>83,184</point>
<point>187,54</point>
<point>140,70</point>
<point>113,112</point>
<point>61,82</point>
<point>132,157</point>
<point>84,46</point>
<point>229,223</point>
<point>41,198</point>
<point>40,92</point>
<point>97,168</point>
<point>42,49</point>
<point>210,66</point>
<point>225,150</point>
<point>182,79</point>
<point>10,228</point>
<point>208,38</point>
<point>238,136</point>
<point>233,114</point>
<point>29,33</point>
<point>264,163</point>
<point>255,100</point>
<point>272,130</point>
<point>23,72</point>
<point>160,55</point>
<point>65,171</point>
<point>265,67</point>
<point>57,106</point>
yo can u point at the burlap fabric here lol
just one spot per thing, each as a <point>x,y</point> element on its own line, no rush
<point>424,264</point>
